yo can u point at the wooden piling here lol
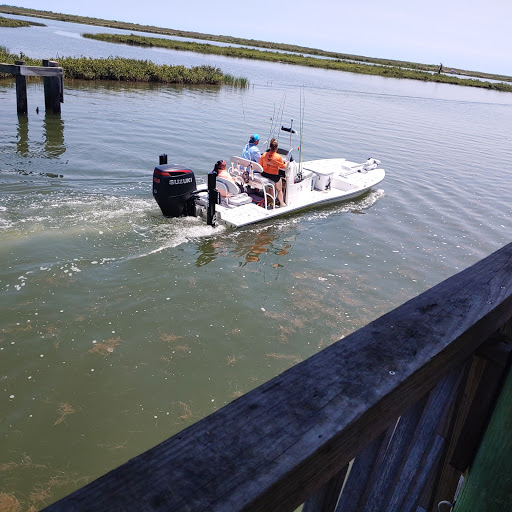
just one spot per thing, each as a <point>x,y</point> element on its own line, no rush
<point>21,90</point>
<point>52,89</point>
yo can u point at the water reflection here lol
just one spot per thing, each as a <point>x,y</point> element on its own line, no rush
<point>22,138</point>
<point>54,135</point>
<point>53,131</point>
<point>136,87</point>
<point>266,241</point>
<point>249,246</point>
<point>209,250</point>
<point>252,250</point>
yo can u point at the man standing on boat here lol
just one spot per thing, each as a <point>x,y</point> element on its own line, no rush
<point>251,150</point>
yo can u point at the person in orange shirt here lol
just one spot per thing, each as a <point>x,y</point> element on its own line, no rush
<point>272,163</point>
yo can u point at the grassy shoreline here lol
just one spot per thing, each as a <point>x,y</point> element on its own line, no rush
<point>399,69</point>
<point>297,59</point>
<point>130,70</point>
<point>11,23</point>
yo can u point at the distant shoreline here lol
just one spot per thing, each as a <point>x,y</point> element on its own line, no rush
<point>332,60</point>
<point>297,59</point>
<point>11,23</point>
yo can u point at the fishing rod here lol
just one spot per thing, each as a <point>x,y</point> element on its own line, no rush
<point>279,113</point>
<point>271,124</point>
<point>243,112</point>
<point>302,105</point>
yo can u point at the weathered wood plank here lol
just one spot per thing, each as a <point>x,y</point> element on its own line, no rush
<point>56,72</point>
<point>31,70</point>
<point>272,448</point>
<point>449,479</point>
<point>424,474</point>
<point>360,475</point>
<point>9,68</point>
<point>326,498</point>
<point>52,89</point>
<point>21,92</point>
<point>419,456</point>
<point>389,468</point>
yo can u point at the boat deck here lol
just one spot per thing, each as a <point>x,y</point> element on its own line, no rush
<point>251,213</point>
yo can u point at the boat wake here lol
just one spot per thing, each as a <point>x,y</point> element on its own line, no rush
<point>354,206</point>
<point>172,233</point>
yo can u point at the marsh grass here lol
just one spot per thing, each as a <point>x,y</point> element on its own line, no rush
<point>130,70</point>
<point>11,23</point>
<point>297,59</point>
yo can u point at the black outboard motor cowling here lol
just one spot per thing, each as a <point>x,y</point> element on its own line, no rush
<point>173,190</point>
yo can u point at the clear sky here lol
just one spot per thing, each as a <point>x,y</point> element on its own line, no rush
<point>466,34</point>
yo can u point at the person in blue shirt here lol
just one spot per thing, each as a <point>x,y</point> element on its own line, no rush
<point>251,150</point>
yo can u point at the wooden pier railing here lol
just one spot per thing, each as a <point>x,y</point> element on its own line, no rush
<point>403,402</point>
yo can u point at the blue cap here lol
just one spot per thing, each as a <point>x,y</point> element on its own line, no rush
<point>254,138</point>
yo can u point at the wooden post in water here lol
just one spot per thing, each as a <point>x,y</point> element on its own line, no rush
<point>52,89</point>
<point>21,90</point>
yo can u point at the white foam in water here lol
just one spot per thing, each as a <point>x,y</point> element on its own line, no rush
<point>104,228</point>
<point>175,232</point>
<point>5,224</point>
<point>65,209</point>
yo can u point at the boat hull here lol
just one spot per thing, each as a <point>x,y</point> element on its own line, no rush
<point>347,181</point>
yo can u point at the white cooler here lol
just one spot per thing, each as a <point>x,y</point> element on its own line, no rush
<point>323,179</point>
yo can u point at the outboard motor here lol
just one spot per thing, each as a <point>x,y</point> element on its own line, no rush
<point>174,189</point>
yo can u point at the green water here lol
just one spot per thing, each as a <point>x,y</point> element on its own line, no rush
<point>119,328</point>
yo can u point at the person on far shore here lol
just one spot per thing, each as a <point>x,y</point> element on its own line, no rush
<point>272,162</point>
<point>251,150</point>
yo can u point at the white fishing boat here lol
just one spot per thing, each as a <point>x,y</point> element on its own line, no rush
<point>254,198</point>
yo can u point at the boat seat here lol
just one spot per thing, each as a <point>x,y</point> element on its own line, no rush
<point>244,168</point>
<point>232,195</point>
<point>268,187</point>
<point>250,173</point>
<point>228,186</point>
